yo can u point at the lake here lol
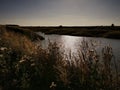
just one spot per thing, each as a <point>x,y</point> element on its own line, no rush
<point>72,43</point>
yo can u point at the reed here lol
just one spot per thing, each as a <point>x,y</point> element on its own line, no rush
<point>25,65</point>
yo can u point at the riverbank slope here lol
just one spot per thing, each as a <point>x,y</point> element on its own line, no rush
<point>21,31</point>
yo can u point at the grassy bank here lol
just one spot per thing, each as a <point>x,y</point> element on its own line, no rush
<point>26,66</point>
<point>92,31</point>
<point>24,32</point>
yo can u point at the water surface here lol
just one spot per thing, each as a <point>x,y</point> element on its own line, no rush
<point>72,43</point>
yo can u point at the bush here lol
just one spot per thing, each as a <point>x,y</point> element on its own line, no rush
<point>24,65</point>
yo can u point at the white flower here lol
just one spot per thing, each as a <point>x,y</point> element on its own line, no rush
<point>3,48</point>
<point>53,85</point>
<point>21,61</point>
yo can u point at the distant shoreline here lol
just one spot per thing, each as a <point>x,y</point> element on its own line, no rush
<point>88,31</point>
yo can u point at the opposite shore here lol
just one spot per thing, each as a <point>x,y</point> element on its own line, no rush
<point>87,31</point>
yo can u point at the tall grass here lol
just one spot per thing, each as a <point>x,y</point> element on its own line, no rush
<point>24,65</point>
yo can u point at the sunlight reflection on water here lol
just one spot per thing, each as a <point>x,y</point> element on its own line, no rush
<point>72,43</point>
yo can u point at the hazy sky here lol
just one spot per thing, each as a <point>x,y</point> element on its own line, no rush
<point>60,12</point>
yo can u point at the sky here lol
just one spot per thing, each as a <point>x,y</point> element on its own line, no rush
<point>60,12</point>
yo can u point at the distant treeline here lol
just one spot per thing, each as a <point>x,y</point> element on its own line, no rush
<point>88,31</point>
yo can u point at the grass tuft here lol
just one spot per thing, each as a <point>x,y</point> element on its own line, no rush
<point>24,65</point>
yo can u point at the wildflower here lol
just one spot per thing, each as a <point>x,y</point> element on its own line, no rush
<point>3,48</point>
<point>21,61</point>
<point>53,85</point>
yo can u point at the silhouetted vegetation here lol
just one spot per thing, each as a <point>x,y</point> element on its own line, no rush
<point>92,31</point>
<point>17,29</point>
<point>112,25</point>
<point>25,65</point>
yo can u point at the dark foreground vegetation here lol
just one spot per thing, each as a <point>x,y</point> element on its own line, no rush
<point>90,31</point>
<point>27,66</point>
